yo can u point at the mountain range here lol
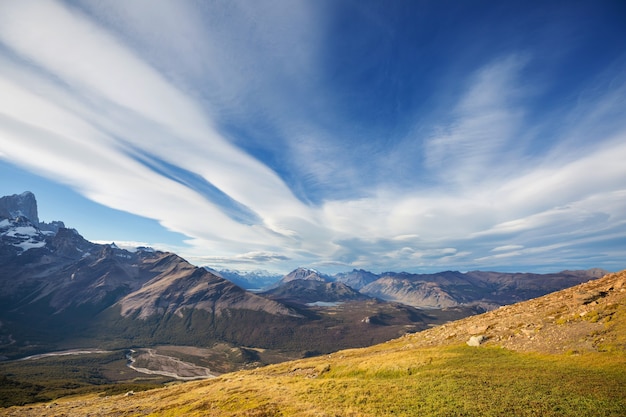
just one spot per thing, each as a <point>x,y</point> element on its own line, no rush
<point>60,291</point>
<point>476,289</point>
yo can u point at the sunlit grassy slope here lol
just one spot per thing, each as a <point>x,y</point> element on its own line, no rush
<point>559,355</point>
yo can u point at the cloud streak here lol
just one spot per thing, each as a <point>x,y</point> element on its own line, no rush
<point>138,104</point>
<point>230,131</point>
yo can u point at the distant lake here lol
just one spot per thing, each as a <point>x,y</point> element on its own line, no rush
<point>324,304</point>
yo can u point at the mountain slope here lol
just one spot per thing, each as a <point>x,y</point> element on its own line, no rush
<point>314,291</point>
<point>180,285</point>
<point>71,288</point>
<point>304,274</point>
<point>431,373</point>
<point>589,317</point>
<point>422,294</point>
<point>357,278</point>
<point>485,289</point>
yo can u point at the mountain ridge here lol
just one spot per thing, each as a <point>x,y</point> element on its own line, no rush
<point>307,291</point>
<point>485,290</point>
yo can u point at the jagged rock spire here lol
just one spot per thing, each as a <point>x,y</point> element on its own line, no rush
<point>17,205</point>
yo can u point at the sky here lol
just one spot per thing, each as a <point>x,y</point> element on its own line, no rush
<point>412,135</point>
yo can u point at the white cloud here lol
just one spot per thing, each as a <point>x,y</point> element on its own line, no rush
<point>507,248</point>
<point>484,121</point>
<point>87,93</point>
<point>129,99</point>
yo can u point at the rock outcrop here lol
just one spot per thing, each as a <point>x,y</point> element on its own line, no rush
<point>19,205</point>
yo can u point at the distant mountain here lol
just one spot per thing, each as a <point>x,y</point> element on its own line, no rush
<point>310,291</point>
<point>409,292</point>
<point>305,274</point>
<point>309,286</point>
<point>249,280</point>
<point>448,289</point>
<point>486,289</point>
<point>357,278</point>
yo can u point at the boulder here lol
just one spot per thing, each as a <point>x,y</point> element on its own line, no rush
<point>476,340</point>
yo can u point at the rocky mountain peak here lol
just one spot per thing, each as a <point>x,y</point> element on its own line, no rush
<point>356,279</point>
<point>25,206</point>
<point>305,274</point>
<point>70,244</point>
<point>20,205</point>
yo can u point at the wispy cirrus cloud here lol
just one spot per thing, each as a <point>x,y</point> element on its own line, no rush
<point>235,125</point>
<point>483,125</point>
<point>119,101</point>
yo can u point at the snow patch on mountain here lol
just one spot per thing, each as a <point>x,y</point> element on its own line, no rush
<point>21,233</point>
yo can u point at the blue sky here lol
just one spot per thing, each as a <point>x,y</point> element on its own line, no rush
<point>384,135</point>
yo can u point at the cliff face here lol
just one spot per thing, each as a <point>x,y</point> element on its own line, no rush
<point>19,205</point>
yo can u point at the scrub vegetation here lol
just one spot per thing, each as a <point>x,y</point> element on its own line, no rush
<point>49,378</point>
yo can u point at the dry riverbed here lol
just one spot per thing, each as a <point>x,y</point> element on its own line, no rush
<point>148,361</point>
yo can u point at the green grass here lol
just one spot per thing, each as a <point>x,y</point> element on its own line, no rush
<point>456,381</point>
<point>493,382</point>
<point>465,381</point>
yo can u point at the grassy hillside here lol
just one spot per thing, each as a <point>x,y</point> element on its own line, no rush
<point>559,355</point>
